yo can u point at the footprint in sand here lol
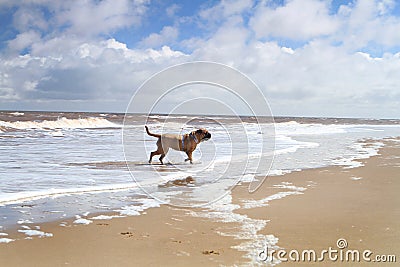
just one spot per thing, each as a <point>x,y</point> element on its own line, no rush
<point>209,252</point>
<point>127,234</point>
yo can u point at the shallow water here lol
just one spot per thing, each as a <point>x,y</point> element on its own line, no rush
<point>61,165</point>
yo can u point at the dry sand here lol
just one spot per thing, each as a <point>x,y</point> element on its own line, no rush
<point>336,204</point>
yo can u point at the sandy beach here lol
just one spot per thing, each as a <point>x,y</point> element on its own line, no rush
<point>359,205</point>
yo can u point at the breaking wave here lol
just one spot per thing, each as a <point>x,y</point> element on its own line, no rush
<point>60,123</point>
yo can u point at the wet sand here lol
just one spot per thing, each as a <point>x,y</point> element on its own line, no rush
<point>361,205</point>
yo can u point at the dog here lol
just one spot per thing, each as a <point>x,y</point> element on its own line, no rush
<point>186,143</point>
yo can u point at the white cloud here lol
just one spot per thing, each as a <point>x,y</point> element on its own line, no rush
<point>225,9</point>
<point>97,71</point>
<point>56,47</point>
<point>84,18</point>
<point>24,40</point>
<point>6,91</point>
<point>211,18</point>
<point>297,20</point>
<point>29,17</point>
<point>226,45</point>
<point>94,17</point>
<point>385,6</point>
<point>69,60</point>
<point>368,22</point>
<point>8,94</point>
<point>167,35</point>
<point>318,78</point>
<point>172,9</point>
<point>288,50</point>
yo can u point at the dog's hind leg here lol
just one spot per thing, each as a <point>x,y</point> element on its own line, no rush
<point>165,151</point>
<point>159,150</point>
<point>154,153</point>
<point>161,158</point>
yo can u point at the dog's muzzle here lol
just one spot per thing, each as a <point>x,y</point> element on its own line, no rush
<point>207,136</point>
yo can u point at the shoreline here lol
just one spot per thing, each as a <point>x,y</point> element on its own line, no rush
<point>335,203</point>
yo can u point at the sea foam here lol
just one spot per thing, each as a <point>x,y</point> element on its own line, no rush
<point>61,123</point>
<point>35,233</point>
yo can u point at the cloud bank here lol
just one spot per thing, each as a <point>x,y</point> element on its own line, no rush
<point>309,57</point>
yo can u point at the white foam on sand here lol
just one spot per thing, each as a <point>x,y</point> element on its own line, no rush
<point>247,178</point>
<point>264,253</point>
<point>80,220</point>
<point>361,151</point>
<point>250,203</point>
<point>290,186</point>
<point>253,242</point>
<point>295,190</point>
<point>223,211</point>
<point>6,240</point>
<point>134,210</point>
<point>20,197</point>
<point>35,233</point>
<point>106,217</point>
<point>24,221</point>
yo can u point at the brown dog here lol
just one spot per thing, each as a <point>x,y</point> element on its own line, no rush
<point>186,143</point>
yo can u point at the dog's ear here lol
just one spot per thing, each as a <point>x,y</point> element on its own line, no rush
<point>199,131</point>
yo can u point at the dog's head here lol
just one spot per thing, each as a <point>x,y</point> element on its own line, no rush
<point>202,134</point>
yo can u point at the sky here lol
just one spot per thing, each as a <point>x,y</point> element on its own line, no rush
<point>309,57</point>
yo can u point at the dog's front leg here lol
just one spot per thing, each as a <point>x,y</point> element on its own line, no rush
<point>189,154</point>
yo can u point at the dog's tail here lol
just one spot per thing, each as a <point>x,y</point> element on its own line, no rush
<point>152,134</point>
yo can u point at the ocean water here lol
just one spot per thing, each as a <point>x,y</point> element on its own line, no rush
<point>79,165</point>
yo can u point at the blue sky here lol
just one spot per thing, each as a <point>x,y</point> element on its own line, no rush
<point>309,57</point>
